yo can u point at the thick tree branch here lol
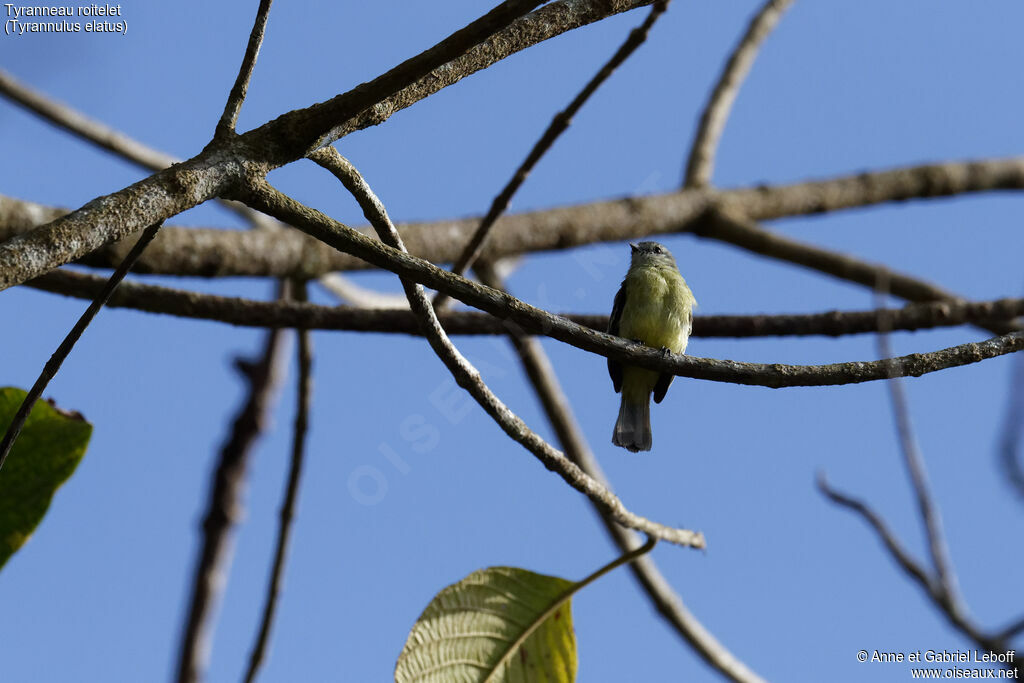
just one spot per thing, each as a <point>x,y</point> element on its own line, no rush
<point>559,413</point>
<point>467,377</point>
<point>484,42</point>
<point>64,349</point>
<point>224,506</point>
<point>304,392</point>
<point>557,126</point>
<point>701,164</point>
<point>229,119</point>
<point>209,252</point>
<point>275,314</point>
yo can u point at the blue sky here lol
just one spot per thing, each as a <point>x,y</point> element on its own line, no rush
<point>793,586</point>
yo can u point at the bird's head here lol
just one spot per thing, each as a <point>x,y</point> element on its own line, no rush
<point>651,254</point>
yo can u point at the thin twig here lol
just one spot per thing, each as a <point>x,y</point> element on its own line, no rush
<point>305,399</point>
<point>229,119</point>
<point>914,462</point>
<point>55,361</point>
<point>559,413</point>
<point>103,136</point>
<point>89,129</point>
<point>1012,630</point>
<point>224,505</point>
<point>895,548</point>
<point>701,164</point>
<point>557,126</point>
<point>930,585</point>
<point>469,379</point>
<point>1011,453</point>
<point>360,318</point>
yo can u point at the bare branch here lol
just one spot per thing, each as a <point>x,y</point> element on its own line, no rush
<point>386,318</point>
<point>113,217</point>
<point>469,379</point>
<point>701,164</point>
<point>945,577</point>
<point>557,126</point>
<point>931,586</point>
<point>746,234</point>
<point>1012,630</point>
<point>224,506</point>
<point>362,297</point>
<point>229,119</point>
<point>301,132</point>
<point>219,252</point>
<point>534,320</point>
<point>559,413</point>
<point>1010,451</point>
<point>101,135</point>
<point>80,124</point>
<point>290,136</point>
<point>465,52</point>
<point>305,399</point>
<point>896,550</point>
<point>64,349</point>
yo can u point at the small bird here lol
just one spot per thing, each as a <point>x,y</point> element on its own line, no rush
<point>654,306</point>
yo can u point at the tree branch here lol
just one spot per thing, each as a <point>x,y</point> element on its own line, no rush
<point>559,413</point>
<point>913,569</point>
<point>291,136</point>
<point>89,129</point>
<point>746,234</point>
<point>557,126</point>
<point>64,349</point>
<point>913,460</point>
<point>224,506</point>
<point>1013,429</point>
<point>359,318</point>
<point>101,135</point>
<point>534,320</point>
<point>209,252</point>
<point>469,379</point>
<point>229,119</point>
<point>304,401</point>
<point>701,164</point>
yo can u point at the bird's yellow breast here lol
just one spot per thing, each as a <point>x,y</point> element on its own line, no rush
<point>657,308</point>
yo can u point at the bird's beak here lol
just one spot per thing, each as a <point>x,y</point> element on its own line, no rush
<point>634,247</point>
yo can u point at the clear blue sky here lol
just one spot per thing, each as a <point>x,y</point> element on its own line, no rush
<point>793,586</point>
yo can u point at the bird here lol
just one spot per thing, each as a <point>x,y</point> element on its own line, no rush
<point>654,306</point>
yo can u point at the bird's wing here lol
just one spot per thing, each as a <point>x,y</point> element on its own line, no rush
<point>614,367</point>
<point>665,379</point>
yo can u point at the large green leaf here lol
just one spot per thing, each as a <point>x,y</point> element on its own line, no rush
<point>497,624</point>
<point>48,450</point>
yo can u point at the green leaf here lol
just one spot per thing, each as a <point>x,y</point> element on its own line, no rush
<point>497,624</point>
<point>46,453</point>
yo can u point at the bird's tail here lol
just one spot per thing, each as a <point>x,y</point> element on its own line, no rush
<point>633,428</point>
